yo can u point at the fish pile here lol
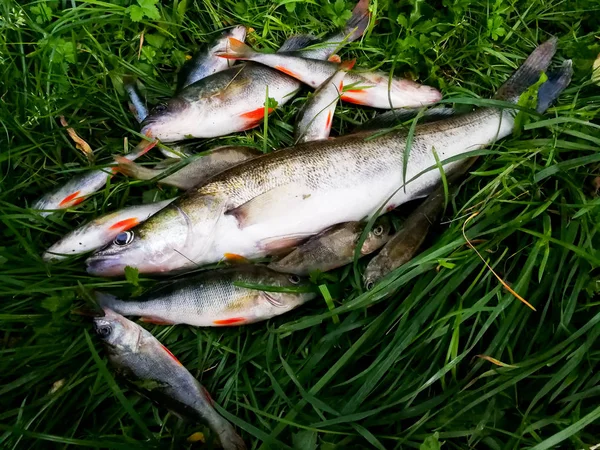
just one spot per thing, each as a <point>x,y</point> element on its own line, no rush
<point>313,207</point>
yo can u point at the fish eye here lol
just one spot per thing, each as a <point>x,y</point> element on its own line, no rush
<point>294,279</point>
<point>378,231</point>
<point>161,107</point>
<point>124,238</point>
<point>104,331</point>
<point>369,285</point>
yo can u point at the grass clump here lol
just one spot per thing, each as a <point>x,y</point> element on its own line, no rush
<point>438,354</point>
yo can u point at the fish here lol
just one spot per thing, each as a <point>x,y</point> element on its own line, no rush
<point>212,298</point>
<point>374,89</point>
<point>197,170</point>
<point>205,63</point>
<point>333,248</point>
<point>393,117</point>
<point>315,117</point>
<point>225,102</point>
<point>277,200</point>
<point>101,231</point>
<point>137,105</point>
<point>152,370</point>
<point>78,188</point>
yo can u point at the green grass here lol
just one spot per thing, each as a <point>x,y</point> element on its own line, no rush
<point>390,368</point>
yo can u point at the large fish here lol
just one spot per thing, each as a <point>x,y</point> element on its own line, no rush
<point>276,200</point>
<point>333,248</point>
<point>212,299</point>
<point>101,231</point>
<point>196,171</point>
<point>205,62</point>
<point>374,89</point>
<point>155,372</point>
<point>316,116</point>
<point>78,188</point>
<point>228,101</point>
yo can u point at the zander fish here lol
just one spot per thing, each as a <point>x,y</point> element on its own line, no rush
<point>333,248</point>
<point>276,200</point>
<point>205,62</point>
<point>78,188</point>
<point>101,231</point>
<point>196,171</point>
<point>212,298</point>
<point>374,89</point>
<point>152,370</point>
<point>225,102</point>
<point>315,117</point>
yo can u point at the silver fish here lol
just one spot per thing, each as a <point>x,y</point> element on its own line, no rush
<point>333,248</point>
<point>78,188</point>
<point>156,373</point>
<point>276,200</point>
<point>316,116</point>
<point>205,63</point>
<point>374,89</point>
<point>196,171</point>
<point>212,299</point>
<point>101,231</point>
<point>137,105</point>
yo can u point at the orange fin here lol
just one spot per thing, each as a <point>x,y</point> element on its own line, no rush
<point>334,59</point>
<point>347,65</point>
<point>256,115</point>
<point>71,200</point>
<point>232,321</point>
<point>125,224</point>
<point>328,123</point>
<point>354,96</point>
<point>236,49</point>
<point>208,396</point>
<point>171,354</point>
<point>155,321</point>
<point>236,259</point>
<point>287,71</point>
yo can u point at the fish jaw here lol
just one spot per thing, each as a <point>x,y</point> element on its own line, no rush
<point>174,123</point>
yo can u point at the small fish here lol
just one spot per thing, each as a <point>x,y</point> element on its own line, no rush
<point>374,89</point>
<point>196,171</point>
<point>137,105</point>
<point>333,248</point>
<point>78,188</point>
<point>101,231</point>
<point>212,299</point>
<point>152,370</point>
<point>205,63</point>
<point>314,122</point>
<point>279,199</point>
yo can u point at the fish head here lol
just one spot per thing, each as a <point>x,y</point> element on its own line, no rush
<point>120,335</point>
<point>378,236</point>
<point>170,121</point>
<point>288,299</point>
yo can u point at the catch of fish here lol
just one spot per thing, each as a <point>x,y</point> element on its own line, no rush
<point>316,206</point>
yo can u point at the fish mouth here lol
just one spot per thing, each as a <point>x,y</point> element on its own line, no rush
<point>105,265</point>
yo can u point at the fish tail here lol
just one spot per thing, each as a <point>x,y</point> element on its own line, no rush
<point>105,300</point>
<point>236,49</point>
<point>358,22</point>
<point>556,83</point>
<point>131,169</point>
<point>529,73</point>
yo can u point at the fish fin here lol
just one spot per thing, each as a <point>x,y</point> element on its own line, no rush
<point>255,117</point>
<point>141,149</point>
<point>347,65</point>
<point>256,210</point>
<point>236,50</point>
<point>282,243</point>
<point>358,22</point>
<point>296,42</point>
<point>529,72</point>
<point>234,258</point>
<point>105,300</point>
<point>171,355</point>
<point>129,168</point>
<point>71,200</point>
<point>272,300</point>
<point>556,83</point>
<point>230,321</point>
<point>334,59</point>
<point>155,321</point>
<point>125,224</point>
